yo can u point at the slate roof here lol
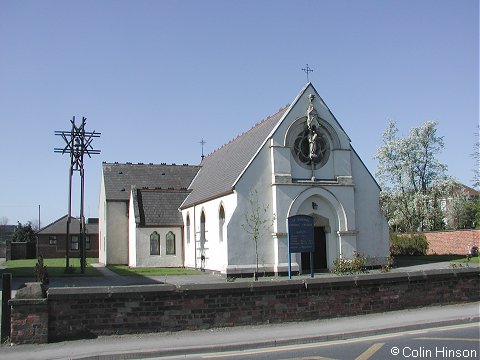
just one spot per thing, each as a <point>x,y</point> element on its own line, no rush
<point>119,178</point>
<point>60,227</point>
<point>6,232</point>
<point>154,207</point>
<point>220,169</point>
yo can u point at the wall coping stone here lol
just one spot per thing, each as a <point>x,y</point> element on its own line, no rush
<point>215,288</point>
<point>20,302</point>
<point>110,291</point>
<point>241,286</point>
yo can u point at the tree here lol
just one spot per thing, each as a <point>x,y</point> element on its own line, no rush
<point>412,178</point>
<point>24,233</point>
<point>257,222</point>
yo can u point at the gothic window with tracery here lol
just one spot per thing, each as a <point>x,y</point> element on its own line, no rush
<point>170,243</point>
<point>187,229</point>
<point>154,243</point>
<point>221,222</point>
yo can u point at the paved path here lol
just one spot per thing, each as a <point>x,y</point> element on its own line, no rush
<point>244,337</point>
<point>110,278</point>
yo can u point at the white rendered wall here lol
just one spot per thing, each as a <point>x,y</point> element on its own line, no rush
<point>142,251</point>
<point>257,179</point>
<point>189,239</point>
<point>102,224</point>
<point>117,232</point>
<point>215,249</point>
<point>372,237</point>
<point>132,235</point>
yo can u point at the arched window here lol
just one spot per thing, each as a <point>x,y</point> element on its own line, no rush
<point>221,222</point>
<point>187,229</point>
<point>154,244</point>
<point>202,226</point>
<point>170,243</point>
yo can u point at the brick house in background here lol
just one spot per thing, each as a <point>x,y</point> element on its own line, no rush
<point>6,234</point>
<point>52,238</point>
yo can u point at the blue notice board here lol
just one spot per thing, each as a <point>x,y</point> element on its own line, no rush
<point>300,234</point>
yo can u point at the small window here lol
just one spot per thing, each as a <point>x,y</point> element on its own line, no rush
<point>87,242</point>
<point>52,240</point>
<point>74,242</point>
<point>154,244</point>
<point>170,243</point>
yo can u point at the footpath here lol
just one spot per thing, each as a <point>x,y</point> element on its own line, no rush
<point>246,337</point>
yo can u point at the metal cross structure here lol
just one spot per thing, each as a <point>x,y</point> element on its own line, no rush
<point>307,70</point>
<point>203,142</point>
<point>78,143</point>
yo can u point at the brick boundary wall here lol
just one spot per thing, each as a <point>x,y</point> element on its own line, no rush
<point>29,321</point>
<point>452,242</point>
<point>75,313</point>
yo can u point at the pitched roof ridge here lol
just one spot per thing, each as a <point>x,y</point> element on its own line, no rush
<point>261,122</point>
<point>163,190</point>
<point>147,164</point>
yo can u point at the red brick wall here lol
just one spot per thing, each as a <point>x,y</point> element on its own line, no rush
<point>85,312</point>
<point>29,321</point>
<point>452,242</point>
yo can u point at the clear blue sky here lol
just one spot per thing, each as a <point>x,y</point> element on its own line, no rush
<point>155,77</point>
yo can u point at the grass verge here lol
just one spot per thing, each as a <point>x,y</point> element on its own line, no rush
<point>124,270</point>
<point>473,260</point>
<point>401,261</point>
<point>55,267</point>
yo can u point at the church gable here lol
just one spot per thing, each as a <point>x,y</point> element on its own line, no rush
<point>310,143</point>
<point>298,110</point>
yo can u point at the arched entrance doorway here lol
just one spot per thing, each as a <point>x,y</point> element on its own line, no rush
<point>329,218</point>
<point>321,227</point>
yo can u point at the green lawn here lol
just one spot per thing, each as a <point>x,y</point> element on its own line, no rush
<point>124,270</point>
<point>475,260</point>
<point>55,267</point>
<point>401,261</point>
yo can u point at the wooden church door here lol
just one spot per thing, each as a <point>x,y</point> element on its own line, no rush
<point>320,254</point>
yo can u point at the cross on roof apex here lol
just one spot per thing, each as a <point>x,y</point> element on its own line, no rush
<point>307,70</point>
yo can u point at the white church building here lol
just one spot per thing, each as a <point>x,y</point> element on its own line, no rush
<point>298,161</point>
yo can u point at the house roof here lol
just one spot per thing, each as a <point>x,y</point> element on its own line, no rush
<point>59,226</point>
<point>155,207</point>
<point>8,229</point>
<point>468,190</point>
<point>119,178</point>
<point>220,169</point>
<point>6,232</point>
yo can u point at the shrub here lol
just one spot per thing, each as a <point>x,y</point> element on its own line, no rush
<point>388,266</point>
<point>346,266</point>
<point>408,244</point>
<point>41,272</point>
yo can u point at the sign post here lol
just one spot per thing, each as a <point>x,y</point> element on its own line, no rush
<point>300,239</point>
